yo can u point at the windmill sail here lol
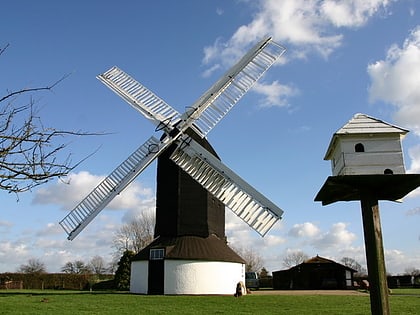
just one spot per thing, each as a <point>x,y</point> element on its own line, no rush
<point>202,116</point>
<point>214,104</point>
<point>110,187</point>
<point>246,202</point>
<point>142,99</point>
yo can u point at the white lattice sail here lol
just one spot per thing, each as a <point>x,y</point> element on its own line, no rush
<point>110,187</point>
<point>141,98</point>
<point>214,104</point>
<point>245,201</point>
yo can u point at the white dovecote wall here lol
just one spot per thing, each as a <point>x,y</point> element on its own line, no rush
<point>366,146</point>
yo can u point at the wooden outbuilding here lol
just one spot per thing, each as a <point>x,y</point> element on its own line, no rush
<point>366,145</point>
<point>316,273</point>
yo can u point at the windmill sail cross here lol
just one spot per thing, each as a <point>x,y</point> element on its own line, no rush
<point>252,207</point>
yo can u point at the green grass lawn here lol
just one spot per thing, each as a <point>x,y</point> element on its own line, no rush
<point>73,302</point>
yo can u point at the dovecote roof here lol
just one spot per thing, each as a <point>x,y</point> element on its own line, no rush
<point>362,124</point>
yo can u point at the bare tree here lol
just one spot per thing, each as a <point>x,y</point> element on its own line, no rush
<point>2,50</point>
<point>97,265</point>
<point>294,258</point>
<point>253,261</point>
<point>352,263</point>
<point>29,151</point>
<point>75,267</point>
<point>263,273</point>
<point>135,235</point>
<point>34,265</point>
<point>412,271</point>
<point>113,264</point>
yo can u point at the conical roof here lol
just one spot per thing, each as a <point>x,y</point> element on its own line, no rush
<point>190,247</point>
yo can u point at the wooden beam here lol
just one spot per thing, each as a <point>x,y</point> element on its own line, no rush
<point>378,286</point>
<point>369,189</point>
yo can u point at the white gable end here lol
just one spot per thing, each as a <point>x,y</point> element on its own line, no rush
<point>366,145</point>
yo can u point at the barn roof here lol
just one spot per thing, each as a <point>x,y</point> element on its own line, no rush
<point>316,261</point>
<point>321,260</point>
<point>362,124</point>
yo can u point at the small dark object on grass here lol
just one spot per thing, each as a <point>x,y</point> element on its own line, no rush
<point>239,289</point>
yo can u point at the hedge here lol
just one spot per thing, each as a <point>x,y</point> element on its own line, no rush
<point>56,281</point>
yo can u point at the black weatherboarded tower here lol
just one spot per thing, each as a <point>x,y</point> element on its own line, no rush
<point>183,207</point>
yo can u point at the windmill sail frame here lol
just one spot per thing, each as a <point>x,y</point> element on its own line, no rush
<point>245,201</point>
<point>250,205</point>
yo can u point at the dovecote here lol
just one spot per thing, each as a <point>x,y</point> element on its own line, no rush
<point>366,145</point>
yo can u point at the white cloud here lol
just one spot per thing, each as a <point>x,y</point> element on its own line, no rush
<point>50,245</point>
<point>414,154</point>
<point>337,237</point>
<point>240,235</point>
<point>414,211</point>
<point>395,80</point>
<point>353,13</point>
<point>298,23</point>
<point>274,93</point>
<point>303,26</point>
<point>306,229</point>
<point>67,193</point>
<point>5,224</point>
<point>237,231</point>
<point>70,192</point>
<point>17,247</point>
<point>273,240</point>
<point>356,252</point>
<point>13,253</point>
<point>412,12</point>
<point>209,71</point>
<point>50,229</point>
<point>398,261</point>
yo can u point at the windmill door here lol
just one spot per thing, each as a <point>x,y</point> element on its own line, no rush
<point>156,280</point>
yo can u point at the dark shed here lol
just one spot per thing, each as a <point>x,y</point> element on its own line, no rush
<point>314,274</point>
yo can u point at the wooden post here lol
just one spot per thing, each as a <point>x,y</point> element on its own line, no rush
<point>378,286</point>
<point>369,189</point>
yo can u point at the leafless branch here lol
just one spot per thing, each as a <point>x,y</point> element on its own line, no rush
<point>31,154</point>
<point>2,50</point>
<point>37,89</point>
<point>135,235</point>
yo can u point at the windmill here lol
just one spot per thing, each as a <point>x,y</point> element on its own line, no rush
<point>184,146</point>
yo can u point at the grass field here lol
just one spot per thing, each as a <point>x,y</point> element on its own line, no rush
<point>74,302</point>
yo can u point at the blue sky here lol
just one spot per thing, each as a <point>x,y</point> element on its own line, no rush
<point>343,58</point>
